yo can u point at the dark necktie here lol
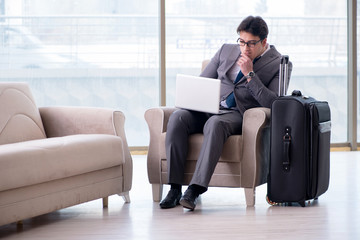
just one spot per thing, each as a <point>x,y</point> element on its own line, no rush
<point>230,100</point>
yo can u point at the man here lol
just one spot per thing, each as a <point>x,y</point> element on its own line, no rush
<point>249,74</point>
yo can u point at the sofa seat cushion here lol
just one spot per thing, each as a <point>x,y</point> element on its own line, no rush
<point>231,152</point>
<point>37,161</point>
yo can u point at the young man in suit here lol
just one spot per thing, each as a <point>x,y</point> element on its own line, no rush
<point>249,74</point>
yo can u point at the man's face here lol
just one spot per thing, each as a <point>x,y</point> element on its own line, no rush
<point>254,47</point>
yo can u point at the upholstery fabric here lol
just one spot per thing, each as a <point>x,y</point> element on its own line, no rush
<point>40,161</point>
<point>19,119</point>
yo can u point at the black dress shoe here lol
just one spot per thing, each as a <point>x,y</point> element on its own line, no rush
<point>172,199</point>
<point>189,199</point>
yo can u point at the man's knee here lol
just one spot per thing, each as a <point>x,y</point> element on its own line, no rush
<point>179,118</point>
<point>221,128</point>
<point>214,126</point>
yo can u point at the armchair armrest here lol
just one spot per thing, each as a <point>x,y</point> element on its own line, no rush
<point>256,146</point>
<point>157,119</point>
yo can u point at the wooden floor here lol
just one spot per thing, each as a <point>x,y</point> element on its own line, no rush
<point>220,214</point>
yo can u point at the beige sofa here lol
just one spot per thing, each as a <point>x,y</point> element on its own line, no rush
<point>56,157</point>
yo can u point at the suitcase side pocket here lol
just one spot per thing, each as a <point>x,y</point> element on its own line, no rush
<point>320,126</point>
<point>323,158</point>
<point>321,153</point>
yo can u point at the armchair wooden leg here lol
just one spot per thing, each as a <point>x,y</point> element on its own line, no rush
<point>157,190</point>
<point>250,196</point>
<point>125,196</point>
<point>105,202</point>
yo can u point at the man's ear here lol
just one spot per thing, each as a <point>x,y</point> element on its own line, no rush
<point>263,42</point>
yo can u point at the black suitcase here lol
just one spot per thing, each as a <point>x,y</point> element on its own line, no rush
<point>299,149</point>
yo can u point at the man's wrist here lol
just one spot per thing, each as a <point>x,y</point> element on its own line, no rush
<point>250,75</point>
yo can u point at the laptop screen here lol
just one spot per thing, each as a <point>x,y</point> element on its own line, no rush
<point>197,93</point>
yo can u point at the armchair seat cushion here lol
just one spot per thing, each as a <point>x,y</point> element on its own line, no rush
<point>38,161</point>
<point>229,153</point>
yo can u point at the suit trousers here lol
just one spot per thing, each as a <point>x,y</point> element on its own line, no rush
<point>216,129</point>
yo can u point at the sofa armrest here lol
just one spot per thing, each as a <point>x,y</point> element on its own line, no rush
<point>157,119</point>
<point>256,147</point>
<point>63,121</point>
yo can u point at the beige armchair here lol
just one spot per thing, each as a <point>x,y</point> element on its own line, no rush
<point>244,161</point>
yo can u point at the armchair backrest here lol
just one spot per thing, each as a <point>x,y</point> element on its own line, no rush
<point>19,116</point>
<point>204,64</point>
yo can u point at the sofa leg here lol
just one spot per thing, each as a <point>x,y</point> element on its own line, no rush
<point>125,196</point>
<point>157,190</point>
<point>105,202</point>
<point>250,196</point>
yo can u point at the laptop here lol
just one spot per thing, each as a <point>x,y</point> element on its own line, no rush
<point>198,93</point>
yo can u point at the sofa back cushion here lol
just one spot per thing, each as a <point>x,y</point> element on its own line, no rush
<point>19,116</point>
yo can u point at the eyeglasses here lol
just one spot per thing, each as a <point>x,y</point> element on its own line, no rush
<point>250,44</point>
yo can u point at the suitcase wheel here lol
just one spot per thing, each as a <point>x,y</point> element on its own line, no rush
<point>271,202</point>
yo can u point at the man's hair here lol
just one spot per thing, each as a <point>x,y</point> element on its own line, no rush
<point>254,25</point>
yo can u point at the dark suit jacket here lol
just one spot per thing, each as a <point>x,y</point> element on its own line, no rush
<point>260,91</point>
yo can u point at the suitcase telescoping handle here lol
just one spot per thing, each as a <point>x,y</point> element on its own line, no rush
<point>283,74</point>
<point>286,149</point>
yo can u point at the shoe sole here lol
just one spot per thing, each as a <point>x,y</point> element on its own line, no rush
<point>187,205</point>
